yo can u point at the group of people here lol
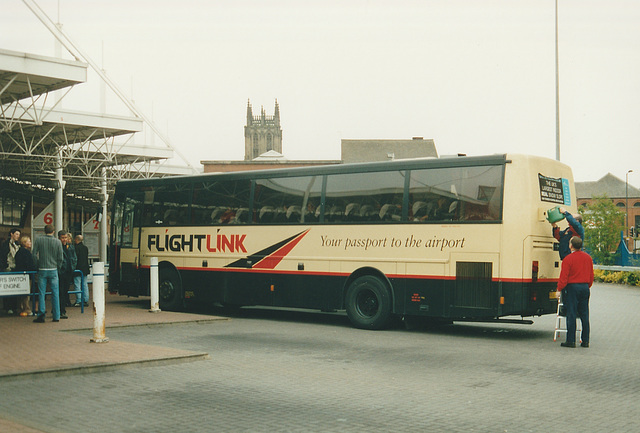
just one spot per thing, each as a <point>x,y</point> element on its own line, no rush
<point>576,277</point>
<point>55,261</point>
<point>15,256</point>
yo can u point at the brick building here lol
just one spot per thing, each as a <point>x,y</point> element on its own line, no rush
<point>625,196</point>
<point>263,148</point>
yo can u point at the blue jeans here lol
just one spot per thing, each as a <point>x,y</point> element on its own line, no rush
<point>52,277</point>
<point>80,281</point>
<point>576,299</point>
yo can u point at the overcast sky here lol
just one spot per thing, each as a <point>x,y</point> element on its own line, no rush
<point>477,76</point>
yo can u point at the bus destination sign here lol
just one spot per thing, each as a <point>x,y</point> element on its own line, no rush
<point>554,190</point>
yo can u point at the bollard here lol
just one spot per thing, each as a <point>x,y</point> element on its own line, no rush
<point>153,285</point>
<point>98,303</point>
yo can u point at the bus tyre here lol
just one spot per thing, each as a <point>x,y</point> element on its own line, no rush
<point>170,290</point>
<point>368,303</point>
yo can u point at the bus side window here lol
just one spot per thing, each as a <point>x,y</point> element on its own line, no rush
<point>242,216</point>
<point>167,204</point>
<point>365,197</point>
<point>222,215</point>
<point>266,214</point>
<point>221,202</point>
<point>368,213</point>
<point>147,215</point>
<point>454,210</point>
<point>280,214</point>
<point>310,212</point>
<point>352,212</point>
<point>418,211</point>
<point>200,216</point>
<point>171,217</point>
<point>294,213</point>
<point>335,213</point>
<point>456,194</point>
<point>280,200</point>
<point>390,212</point>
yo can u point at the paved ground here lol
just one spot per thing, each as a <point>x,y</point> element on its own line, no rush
<point>296,371</point>
<point>40,348</point>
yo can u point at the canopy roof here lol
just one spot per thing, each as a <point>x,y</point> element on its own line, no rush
<point>36,138</point>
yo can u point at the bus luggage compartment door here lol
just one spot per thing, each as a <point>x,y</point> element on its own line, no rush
<point>475,294</point>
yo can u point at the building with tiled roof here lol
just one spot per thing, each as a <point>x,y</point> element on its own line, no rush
<point>626,197</point>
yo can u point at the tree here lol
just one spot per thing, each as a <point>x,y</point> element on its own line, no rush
<point>602,223</point>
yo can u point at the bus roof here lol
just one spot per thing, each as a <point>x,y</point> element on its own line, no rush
<point>363,167</point>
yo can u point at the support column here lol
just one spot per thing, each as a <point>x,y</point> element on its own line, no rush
<point>58,214</point>
<point>103,224</point>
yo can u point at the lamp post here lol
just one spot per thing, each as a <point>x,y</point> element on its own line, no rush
<point>626,199</point>
<point>557,92</point>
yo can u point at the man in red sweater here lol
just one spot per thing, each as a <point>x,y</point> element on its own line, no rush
<point>576,278</point>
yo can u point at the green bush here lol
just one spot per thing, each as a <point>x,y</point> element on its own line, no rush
<point>598,275</point>
<point>614,277</point>
<point>617,277</point>
<point>633,278</point>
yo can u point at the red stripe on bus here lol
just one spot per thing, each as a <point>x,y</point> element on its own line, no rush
<point>346,274</point>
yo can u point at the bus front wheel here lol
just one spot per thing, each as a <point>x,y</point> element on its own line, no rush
<point>368,303</point>
<point>170,290</point>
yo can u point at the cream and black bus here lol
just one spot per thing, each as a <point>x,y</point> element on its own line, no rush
<point>460,238</point>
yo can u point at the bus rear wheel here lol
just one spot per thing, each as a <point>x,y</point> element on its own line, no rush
<point>170,290</point>
<point>368,303</point>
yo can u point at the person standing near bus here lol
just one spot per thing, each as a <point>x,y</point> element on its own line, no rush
<point>65,276</point>
<point>564,236</point>
<point>576,279</point>
<point>8,252</point>
<point>24,263</point>
<point>70,249</point>
<point>48,258</point>
<point>80,283</point>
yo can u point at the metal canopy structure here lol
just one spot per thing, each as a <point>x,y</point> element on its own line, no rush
<point>54,150</point>
<point>28,75</point>
<point>37,139</point>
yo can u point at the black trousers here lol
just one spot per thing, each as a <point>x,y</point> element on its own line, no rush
<point>65,282</point>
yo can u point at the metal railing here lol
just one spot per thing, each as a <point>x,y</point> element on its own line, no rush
<point>34,288</point>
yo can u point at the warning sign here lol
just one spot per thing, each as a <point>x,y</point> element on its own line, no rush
<point>14,284</point>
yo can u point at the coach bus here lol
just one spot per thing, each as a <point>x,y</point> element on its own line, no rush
<point>459,238</point>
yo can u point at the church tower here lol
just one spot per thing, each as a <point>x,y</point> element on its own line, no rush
<point>262,133</point>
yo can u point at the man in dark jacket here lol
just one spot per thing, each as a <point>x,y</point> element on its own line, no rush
<point>66,273</point>
<point>80,282</point>
<point>24,262</point>
<point>564,236</point>
<point>8,251</point>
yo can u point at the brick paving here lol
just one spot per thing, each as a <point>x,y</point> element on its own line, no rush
<point>39,349</point>
<point>293,371</point>
<point>29,348</point>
